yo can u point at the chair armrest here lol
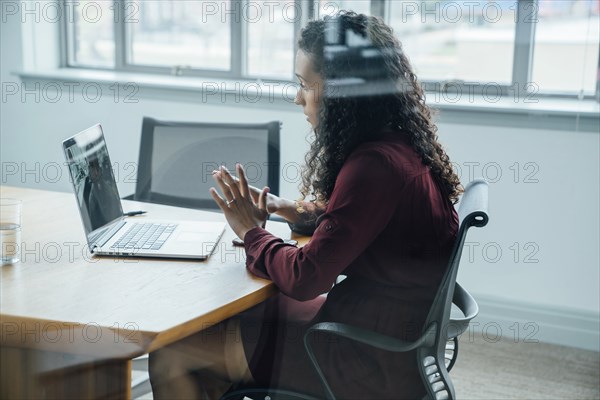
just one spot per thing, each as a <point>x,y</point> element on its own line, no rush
<point>371,338</point>
<point>468,306</point>
<point>363,336</point>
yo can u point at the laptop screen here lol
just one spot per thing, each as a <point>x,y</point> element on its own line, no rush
<point>93,180</point>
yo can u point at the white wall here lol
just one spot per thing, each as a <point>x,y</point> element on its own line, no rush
<point>554,221</point>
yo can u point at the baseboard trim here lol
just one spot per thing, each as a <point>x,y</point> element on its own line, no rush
<point>527,322</point>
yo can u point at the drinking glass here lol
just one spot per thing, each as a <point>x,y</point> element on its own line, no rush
<point>10,230</point>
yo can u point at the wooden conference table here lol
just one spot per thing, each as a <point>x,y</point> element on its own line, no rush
<point>71,323</point>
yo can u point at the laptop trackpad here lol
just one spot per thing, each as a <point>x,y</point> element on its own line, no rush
<point>191,236</point>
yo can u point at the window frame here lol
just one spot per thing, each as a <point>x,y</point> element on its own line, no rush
<point>123,46</point>
<point>523,50</point>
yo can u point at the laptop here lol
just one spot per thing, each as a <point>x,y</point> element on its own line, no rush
<point>111,233</point>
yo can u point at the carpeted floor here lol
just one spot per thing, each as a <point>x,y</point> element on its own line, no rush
<point>523,371</point>
<point>509,370</point>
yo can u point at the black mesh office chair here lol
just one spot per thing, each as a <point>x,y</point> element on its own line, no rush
<point>177,159</point>
<point>437,348</point>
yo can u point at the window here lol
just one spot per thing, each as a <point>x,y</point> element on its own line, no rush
<point>225,38</point>
<point>271,38</point>
<point>169,33</point>
<point>518,46</point>
<point>469,41</point>
<point>91,33</point>
<point>567,40</point>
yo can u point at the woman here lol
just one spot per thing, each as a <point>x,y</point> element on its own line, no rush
<point>382,192</point>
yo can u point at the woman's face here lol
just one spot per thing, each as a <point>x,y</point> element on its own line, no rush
<point>311,88</point>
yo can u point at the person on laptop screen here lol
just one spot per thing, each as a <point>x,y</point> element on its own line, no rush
<point>91,173</point>
<point>378,195</point>
<point>98,194</point>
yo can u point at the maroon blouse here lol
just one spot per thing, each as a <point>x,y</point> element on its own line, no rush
<point>390,229</point>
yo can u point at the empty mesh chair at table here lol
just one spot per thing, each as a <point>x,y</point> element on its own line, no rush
<point>437,347</point>
<point>175,168</point>
<point>177,159</point>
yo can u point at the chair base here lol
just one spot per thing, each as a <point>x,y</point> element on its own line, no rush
<point>265,394</point>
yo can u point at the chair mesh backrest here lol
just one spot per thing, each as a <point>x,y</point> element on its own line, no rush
<point>177,159</point>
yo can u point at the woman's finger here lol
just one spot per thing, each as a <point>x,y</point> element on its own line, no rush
<point>243,183</point>
<point>225,188</point>
<point>218,199</point>
<point>262,198</point>
<point>235,191</point>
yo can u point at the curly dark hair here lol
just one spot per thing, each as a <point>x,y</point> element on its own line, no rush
<point>349,119</point>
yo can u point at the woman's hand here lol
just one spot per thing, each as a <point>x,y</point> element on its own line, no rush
<point>241,210</point>
<point>273,201</point>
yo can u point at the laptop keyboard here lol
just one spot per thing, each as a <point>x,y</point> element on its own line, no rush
<point>145,236</point>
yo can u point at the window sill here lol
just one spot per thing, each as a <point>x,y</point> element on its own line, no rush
<point>211,88</point>
<point>542,113</point>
